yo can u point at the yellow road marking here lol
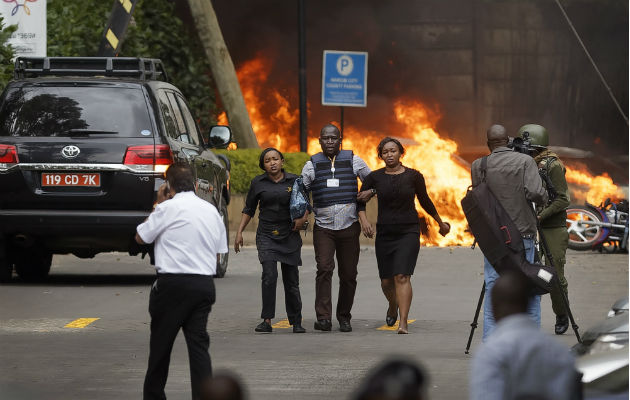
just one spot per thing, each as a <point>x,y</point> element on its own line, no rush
<point>282,324</point>
<point>395,327</point>
<point>80,323</point>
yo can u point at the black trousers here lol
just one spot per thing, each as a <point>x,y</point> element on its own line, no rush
<point>179,301</point>
<point>292,299</point>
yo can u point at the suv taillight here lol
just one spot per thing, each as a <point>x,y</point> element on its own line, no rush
<point>8,157</point>
<point>149,158</point>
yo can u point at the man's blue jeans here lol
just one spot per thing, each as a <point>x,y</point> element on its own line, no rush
<point>490,276</point>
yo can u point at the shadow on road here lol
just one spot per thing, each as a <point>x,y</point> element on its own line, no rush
<point>88,280</point>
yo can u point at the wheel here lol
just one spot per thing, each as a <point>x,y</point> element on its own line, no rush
<point>222,259</point>
<point>582,235</point>
<point>33,265</point>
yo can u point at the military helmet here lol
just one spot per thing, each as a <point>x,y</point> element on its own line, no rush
<point>538,136</point>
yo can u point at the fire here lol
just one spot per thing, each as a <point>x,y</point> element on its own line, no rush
<point>593,189</point>
<point>276,124</point>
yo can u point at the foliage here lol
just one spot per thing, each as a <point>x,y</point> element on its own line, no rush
<point>245,166</point>
<point>6,53</point>
<point>155,31</point>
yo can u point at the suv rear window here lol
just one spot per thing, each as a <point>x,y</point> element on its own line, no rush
<point>74,111</point>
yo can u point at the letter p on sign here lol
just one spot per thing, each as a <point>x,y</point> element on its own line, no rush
<point>344,65</point>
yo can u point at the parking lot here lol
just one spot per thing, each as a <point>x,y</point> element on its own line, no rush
<point>104,356</point>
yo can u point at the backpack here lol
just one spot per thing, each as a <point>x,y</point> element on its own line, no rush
<point>498,238</point>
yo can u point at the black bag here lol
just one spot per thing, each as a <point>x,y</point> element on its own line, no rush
<point>498,238</point>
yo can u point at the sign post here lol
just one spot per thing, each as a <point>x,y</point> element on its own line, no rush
<point>344,79</point>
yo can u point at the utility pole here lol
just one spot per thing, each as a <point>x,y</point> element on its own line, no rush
<point>223,72</point>
<point>116,28</point>
<point>302,75</point>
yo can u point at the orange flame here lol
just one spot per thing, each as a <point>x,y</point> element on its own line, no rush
<point>590,188</point>
<point>275,124</point>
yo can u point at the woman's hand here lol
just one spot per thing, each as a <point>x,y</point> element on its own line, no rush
<point>238,242</point>
<point>366,226</point>
<point>365,195</point>
<point>299,222</point>
<point>445,228</point>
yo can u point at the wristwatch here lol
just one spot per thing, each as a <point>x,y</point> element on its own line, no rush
<point>373,192</point>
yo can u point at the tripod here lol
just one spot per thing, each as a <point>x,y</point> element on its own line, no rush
<point>565,301</point>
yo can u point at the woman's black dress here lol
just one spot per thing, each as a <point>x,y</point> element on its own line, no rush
<point>398,227</point>
<point>275,240</point>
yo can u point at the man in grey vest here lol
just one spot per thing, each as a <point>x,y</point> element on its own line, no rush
<point>331,176</point>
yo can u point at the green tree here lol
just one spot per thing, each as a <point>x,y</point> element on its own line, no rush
<point>75,29</point>
<point>6,53</point>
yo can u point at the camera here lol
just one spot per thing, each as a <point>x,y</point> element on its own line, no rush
<point>522,145</point>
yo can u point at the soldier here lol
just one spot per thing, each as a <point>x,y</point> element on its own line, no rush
<point>553,216</point>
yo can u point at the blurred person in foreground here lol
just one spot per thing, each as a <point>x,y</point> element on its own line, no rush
<point>188,233</point>
<point>398,227</point>
<point>222,386</point>
<point>331,177</point>
<point>277,240</point>
<point>513,179</point>
<point>396,379</point>
<point>518,361</point>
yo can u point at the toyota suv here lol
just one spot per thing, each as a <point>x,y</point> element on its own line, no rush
<point>84,143</point>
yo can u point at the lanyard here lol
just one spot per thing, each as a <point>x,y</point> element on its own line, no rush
<point>332,168</point>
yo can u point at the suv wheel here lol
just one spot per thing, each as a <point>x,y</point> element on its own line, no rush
<point>32,265</point>
<point>222,259</point>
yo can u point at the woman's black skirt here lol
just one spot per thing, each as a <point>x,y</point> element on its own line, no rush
<point>397,253</point>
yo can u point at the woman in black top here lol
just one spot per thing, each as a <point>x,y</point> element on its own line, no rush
<point>276,238</point>
<point>397,228</point>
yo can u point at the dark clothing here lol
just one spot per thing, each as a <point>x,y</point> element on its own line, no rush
<point>275,240</point>
<point>396,196</point>
<point>397,254</point>
<point>291,282</point>
<point>397,229</point>
<point>345,243</point>
<point>346,190</point>
<point>514,181</point>
<point>553,221</point>
<point>179,301</point>
<point>554,214</point>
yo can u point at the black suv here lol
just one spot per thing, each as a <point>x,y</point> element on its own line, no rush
<point>84,143</point>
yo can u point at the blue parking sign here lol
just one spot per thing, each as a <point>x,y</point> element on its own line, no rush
<point>344,78</point>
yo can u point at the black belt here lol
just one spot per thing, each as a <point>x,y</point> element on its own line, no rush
<point>529,236</point>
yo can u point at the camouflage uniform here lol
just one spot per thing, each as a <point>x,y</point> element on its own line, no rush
<point>553,223</point>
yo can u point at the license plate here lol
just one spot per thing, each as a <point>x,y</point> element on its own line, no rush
<point>93,180</point>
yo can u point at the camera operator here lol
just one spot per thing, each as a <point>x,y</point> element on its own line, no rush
<point>553,215</point>
<point>514,181</point>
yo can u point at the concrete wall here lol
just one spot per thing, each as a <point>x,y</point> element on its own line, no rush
<point>516,62</point>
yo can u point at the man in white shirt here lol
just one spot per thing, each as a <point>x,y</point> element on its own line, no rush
<point>188,233</point>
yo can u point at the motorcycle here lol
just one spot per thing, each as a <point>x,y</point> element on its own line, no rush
<point>603,228</point>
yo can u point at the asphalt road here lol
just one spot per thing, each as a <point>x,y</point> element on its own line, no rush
<point>106,359</point>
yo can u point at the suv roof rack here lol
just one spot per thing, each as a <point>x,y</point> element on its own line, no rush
<point>133,67</point>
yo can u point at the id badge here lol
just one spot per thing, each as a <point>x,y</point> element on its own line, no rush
<point>332,182</point>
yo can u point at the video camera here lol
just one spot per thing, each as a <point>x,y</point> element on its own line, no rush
<point>522,145</point>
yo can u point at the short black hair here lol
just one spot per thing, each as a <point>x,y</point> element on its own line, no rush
<point>330,126</point>
<point>261,159</point>
<point>386,140</point>
<point>395,379</point>
<point>180,177</point>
